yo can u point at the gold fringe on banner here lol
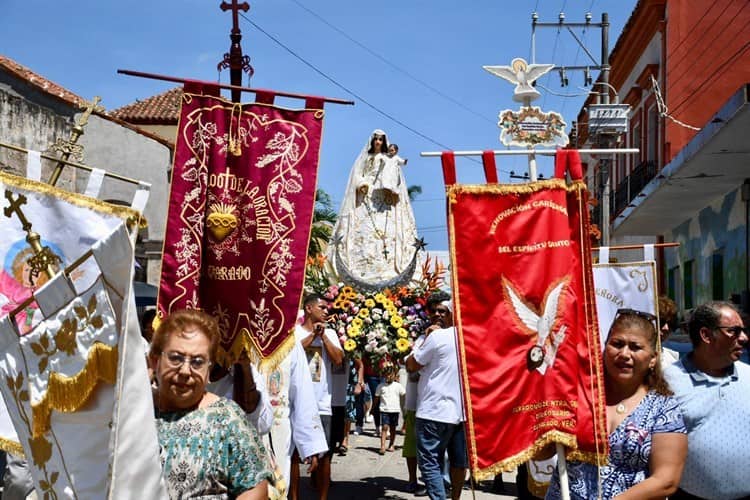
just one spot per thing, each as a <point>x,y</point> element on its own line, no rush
<point>600,459</point>
<point>69,394</point>
<point>463,370</point>
<point>13,447</point>
<point>188,98</point>
<point>123,212</point>
<point>244,344</point>
<point>526,188</point>
<point>511,463</point>
<point>601,436</point>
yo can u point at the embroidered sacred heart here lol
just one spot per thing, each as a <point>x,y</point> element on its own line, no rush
<point>221,221</point>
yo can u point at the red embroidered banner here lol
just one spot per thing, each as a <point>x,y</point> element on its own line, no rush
<point>528,337</point>
<point>240,209</point>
